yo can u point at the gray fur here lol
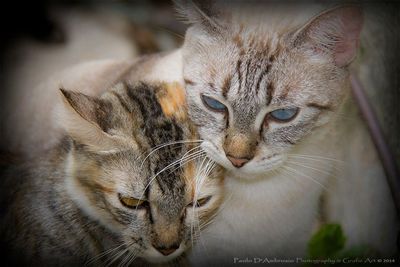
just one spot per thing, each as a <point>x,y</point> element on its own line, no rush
<point>64,208</point>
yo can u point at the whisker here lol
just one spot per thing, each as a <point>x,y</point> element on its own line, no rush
<point>204,174</point>
<point>133,257</point>
<point>193,157</point>
<point>338,167</point>
<point>103,254</point>
<point>187,154</point>
<point>158,147</point>
<point>220,209</point>
<point>158,173</point>
<point>128,258</point>
<point>296,172</point>
<point>198,175</point>
<point>316,157</point>
<point>207,170</point>
<point>119,255</point>
<point>167,167</point>
<point>308,167</point>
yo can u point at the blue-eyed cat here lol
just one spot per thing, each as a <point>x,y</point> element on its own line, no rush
<point>128,184</point>
<point>268,87</point>
<point>273,214</point>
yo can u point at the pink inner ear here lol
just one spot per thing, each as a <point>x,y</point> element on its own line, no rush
<point>346,48</point>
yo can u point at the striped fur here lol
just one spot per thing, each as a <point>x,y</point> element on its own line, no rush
<point>266,64</point>
<point>64,209</point>
<point>257,57</point>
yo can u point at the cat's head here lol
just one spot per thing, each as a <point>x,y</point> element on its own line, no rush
<point>135,167</point>
<point>258,84</point>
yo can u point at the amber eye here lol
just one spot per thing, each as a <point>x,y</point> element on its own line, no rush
<point>133,203</point>
<point>200,202</point>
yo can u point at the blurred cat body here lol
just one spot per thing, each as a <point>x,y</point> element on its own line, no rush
<point>105,195</point>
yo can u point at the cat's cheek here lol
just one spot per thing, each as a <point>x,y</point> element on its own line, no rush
<point>262,166</point>
<point>323,119</point>
<point>216,153</point>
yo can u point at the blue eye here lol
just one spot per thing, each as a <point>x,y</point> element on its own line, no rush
<point>284,114</point>
<point>213,104</point>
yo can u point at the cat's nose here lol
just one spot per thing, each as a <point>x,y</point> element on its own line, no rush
<point>167,250</point>
<point>238,162</point>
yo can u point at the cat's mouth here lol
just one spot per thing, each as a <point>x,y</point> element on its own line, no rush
<point>258,167</point>
<point>153,255</point>
<point>254,167</point>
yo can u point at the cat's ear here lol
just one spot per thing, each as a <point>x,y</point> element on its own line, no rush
<point>335,32</point>
<point>200,13</point>
<point>83,118</point>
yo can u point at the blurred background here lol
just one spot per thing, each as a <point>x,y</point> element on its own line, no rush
<point>42,38</point>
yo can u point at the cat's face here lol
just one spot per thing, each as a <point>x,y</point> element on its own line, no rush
<point>155,221</point>
<point>255,94</point>
<point>151,202</point>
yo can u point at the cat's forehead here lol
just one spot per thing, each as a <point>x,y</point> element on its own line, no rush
<point>162,131</point>
<point>243,75</point>
<point>251,71</point>
<point>152,115</point>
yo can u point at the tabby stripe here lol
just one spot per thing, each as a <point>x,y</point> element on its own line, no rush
<point>129,110</point>
<point>151,220</point>
<point>212,86</point>
<point>260,78</point>
<point>226,86</point>
<point>133,97</point>
<point>168,130</point>
<point>318,106</point>
<point>103,108</point>
<point>122,102</point>
<point>146,195</point>
<point>289,141</point>
<point>189,82</point>
<point>270,91</point>
<point>122,219</point>
<point>238,67</point>
<point>144,112</point>
<point>248,78</point>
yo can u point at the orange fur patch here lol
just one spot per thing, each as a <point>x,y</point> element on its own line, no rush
<point>238,145</point>
<point>172,101</point>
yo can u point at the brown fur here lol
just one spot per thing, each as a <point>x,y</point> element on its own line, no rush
<point>65,209</point>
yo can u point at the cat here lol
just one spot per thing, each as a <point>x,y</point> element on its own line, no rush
<point>260,215</point>
<point>267,88</point>
<point>128,183</point>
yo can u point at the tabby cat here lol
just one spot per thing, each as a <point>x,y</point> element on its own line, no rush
<point>269,88</point>
<point>128,183</point>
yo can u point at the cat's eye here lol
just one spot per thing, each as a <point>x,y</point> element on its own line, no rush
<point>213,104</point>
<point>133,203</point>
<point>284,114</point>
<point>200,202</point>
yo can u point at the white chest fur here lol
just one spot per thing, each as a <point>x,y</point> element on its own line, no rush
<point>270,217</point>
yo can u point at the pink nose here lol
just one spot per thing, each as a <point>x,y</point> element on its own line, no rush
<point>238,162</point>
<point>167,251</point>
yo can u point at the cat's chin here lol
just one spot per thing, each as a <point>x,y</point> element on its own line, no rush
<point>151,255</point>
<point>254,172</point>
